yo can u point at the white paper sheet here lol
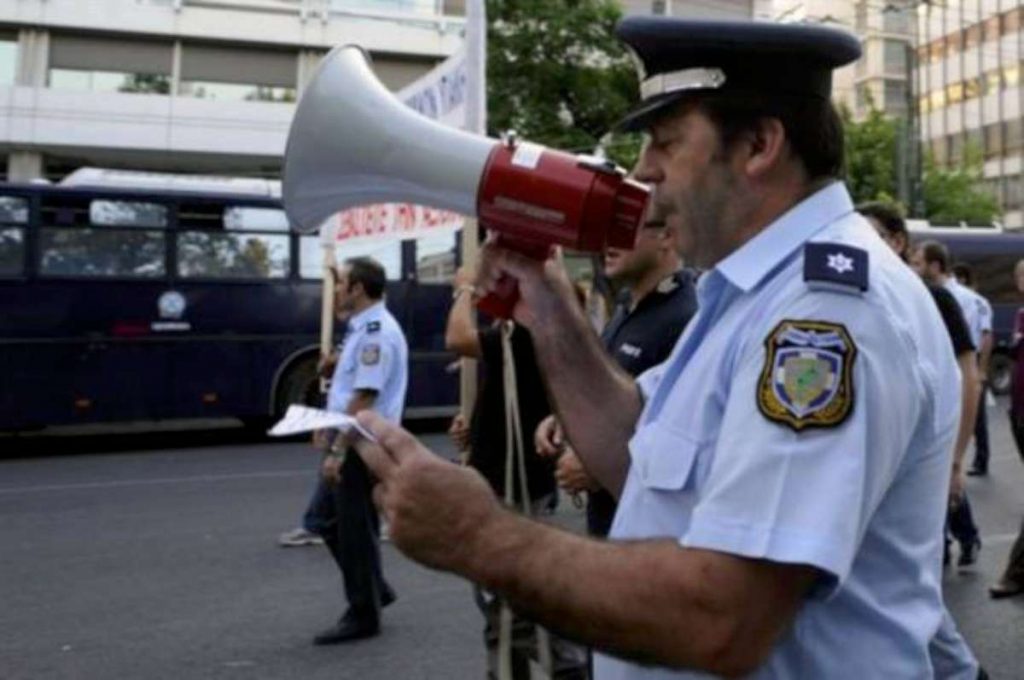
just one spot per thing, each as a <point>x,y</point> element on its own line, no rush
<point>305,419</point>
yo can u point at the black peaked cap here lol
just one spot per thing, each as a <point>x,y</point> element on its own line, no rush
<point>677,57</point>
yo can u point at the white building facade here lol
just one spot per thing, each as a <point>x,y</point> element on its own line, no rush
<point>187,85</point>
<point>970,93</point>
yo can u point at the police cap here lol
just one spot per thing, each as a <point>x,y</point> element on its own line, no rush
<point>677,57</point>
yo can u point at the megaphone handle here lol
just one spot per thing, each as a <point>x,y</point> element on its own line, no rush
<point>501,302</point>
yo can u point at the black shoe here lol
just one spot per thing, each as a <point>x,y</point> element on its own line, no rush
<point>977,472</point>
<point>388,596</point>
<point>346,629</point>
<point>969,553</point>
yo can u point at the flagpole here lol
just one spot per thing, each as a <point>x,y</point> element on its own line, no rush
<point>476,119</point>
<point>327,243</point>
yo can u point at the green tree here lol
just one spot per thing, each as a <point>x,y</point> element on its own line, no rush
<point>870,156</point>
<point>954,195</point>
<point>557,75</point>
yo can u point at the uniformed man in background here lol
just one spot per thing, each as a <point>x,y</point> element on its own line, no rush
<point>782,477</point>
<point>656,300</point>
<point>371,373</point>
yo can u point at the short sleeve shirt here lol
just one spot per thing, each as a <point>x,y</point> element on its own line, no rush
<point>638,339</point>
<point>956,326</point>
<point>804,421</point>
<point>973,307</point>
<point>374,357</point>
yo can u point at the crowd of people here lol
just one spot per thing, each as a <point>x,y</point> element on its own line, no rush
<point>770,432</point>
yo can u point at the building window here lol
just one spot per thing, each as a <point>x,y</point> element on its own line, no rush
<point>238,74</point>
<point>895,97</point>
<point>8,59</point>
<point>955,93</point>
<point>1012,135</point>
<point>103,65</point>
<point>896,20</point>
<point>895,56</point>
<point>993,140</point>
<point>234,92</point>
<point>108,81</point>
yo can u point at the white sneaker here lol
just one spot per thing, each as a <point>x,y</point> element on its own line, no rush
<point>298,537</point>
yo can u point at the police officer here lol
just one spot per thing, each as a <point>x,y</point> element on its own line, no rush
<point>656,300</point>
<point>782,476</point>
<point>965,277</point>
<point>371,373</point>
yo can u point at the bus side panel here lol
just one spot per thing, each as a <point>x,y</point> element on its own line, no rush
<point>433,390</point>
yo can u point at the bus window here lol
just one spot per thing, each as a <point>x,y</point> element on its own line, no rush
<point>435,258</point>
<point>13,211</point>
<point>127,214</point>
<point>217,255</point>
<point>251,218</point>
<point>77,251</point>
<point>388,253</point>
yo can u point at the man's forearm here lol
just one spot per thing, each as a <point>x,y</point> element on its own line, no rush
<point>969,398</point>
<point>596,401</point>
<point>651,601</point>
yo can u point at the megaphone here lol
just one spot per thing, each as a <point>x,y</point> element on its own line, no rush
<point>353,143</point>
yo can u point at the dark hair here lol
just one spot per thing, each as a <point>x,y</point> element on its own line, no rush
<point>812,125</point>
<point>369,273</point>
<point>933,251</point>
<point>886,214</point>
<point>963,271</point>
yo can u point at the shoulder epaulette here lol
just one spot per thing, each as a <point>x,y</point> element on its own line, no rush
<point>373,327</point>
<point>834,266</point>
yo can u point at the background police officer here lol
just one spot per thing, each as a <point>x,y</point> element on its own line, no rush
<point>782,476</point>
<point>371,373</point>
<point>654,304</point>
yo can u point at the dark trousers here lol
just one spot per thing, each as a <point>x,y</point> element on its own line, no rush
<point>1015,566</point>
<point>317,512</point>
<point>960,522</point>
<point>981,451</point>
<point>351,532</point>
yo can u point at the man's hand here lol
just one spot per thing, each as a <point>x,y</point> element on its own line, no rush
<point>321,439</point>
<point>458,431</point>
<point>548,439</point>
<point>326,365</point>
<point>436,510</point>
<point>572,476</point>
<point>546,295</point>
<point>956,487</point>
<point>330,468</point>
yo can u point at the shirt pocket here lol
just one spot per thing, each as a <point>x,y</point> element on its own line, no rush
<point>665,458</point>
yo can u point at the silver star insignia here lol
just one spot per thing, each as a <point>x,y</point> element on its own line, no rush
<point>840,263</point>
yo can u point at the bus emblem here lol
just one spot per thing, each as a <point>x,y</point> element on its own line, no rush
<point>171,305</point>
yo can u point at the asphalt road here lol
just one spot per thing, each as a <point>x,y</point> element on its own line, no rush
<point>154,556</point>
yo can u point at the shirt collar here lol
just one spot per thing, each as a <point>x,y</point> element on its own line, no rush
<point>755,259</point>
<point>371,313</point>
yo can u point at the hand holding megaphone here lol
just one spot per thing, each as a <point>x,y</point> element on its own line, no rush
<point>353,143</point>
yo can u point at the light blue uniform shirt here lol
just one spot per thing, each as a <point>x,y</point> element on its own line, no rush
<point>374,356</point>
<point>863,501</point>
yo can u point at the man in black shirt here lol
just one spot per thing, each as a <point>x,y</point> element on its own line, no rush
<point>656,301</point>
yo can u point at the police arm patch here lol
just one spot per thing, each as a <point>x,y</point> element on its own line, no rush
<point>370,355</point>
<point>807,380</point>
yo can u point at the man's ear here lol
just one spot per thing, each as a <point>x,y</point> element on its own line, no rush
<point>767,147</point>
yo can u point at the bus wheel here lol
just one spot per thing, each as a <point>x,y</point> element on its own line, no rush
<point>1000,372</point>
<point>300,385</point>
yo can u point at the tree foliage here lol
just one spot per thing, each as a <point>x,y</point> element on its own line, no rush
<point>951,195</point>
<point>870,156</point>
<point>558,76</point>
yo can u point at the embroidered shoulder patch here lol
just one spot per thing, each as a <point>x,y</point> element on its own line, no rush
<point>807,380</point>
<point>373,327</point>
<point>835,266</point>
<point>370,355</point>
